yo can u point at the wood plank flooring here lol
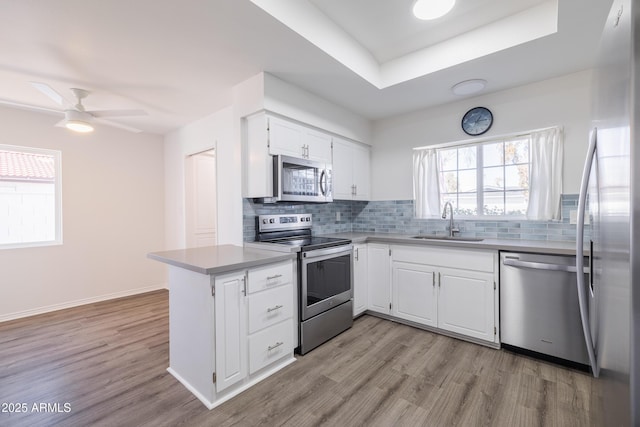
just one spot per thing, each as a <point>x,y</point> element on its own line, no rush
<point>107,362</point>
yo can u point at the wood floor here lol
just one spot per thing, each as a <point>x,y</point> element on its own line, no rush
<point>105,364</point>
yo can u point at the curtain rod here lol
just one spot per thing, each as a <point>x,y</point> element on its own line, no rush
<point>485,139</point>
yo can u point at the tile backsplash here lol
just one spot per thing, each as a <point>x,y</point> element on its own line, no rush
<point>397,216</point>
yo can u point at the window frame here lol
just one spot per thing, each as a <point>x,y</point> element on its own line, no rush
<point>479,176</point>
<point>57,161</point>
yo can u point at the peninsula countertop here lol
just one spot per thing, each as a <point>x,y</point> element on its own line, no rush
<point>219,259</point>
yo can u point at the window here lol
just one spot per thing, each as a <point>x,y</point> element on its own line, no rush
<point>486,179</point>
<point>30,197</point>
<point>517,175</point>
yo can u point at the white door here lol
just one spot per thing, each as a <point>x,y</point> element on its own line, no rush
<point>466,303</point>
<point>415,296</point>
<point>230,329</point>
<point>359,279</point>
<point>379,277</point>
<point>200,199</point>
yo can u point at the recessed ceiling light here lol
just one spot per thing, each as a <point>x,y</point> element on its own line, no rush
<point>468,87</point>
<point>432,9</point>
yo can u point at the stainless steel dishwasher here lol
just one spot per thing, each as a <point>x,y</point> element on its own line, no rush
<point>539,309</point>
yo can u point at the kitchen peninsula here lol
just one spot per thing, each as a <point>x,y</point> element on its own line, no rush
<point>232,317</point>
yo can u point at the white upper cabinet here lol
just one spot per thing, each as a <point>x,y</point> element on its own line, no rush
<point>265,136</point>
<point>292,139</point>
<point>351,170</point>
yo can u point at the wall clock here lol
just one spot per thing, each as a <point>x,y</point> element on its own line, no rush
<point>477,121</point>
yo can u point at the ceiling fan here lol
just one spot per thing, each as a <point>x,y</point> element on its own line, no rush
<point>76,117</point>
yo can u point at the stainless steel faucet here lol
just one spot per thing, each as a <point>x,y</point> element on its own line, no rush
<point>444,216</point>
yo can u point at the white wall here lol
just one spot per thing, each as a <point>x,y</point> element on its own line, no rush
<point>112,202</point>
<point>563,101</point>
<point>290,101</point>
<point>214,131</point>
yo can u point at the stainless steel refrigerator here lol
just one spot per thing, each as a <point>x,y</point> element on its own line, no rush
<point>610,198</point>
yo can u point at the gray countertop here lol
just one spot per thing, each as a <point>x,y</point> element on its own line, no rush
<point>534,246</point>
<point>219,259</point>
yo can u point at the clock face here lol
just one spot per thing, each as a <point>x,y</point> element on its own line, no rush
<point>477,121</point>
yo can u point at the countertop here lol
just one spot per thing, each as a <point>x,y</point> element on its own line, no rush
<point>533,246</point>
<point>219,259</point>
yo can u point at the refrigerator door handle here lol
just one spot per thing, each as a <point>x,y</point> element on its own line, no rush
<point>582,294</point>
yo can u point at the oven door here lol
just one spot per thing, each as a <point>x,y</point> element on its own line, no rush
<point>326,279</point>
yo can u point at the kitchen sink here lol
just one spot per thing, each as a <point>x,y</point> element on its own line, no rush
<point>454,238</point>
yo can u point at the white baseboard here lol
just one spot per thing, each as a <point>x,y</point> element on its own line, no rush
<point>70,304</point>
<point>226,395</point>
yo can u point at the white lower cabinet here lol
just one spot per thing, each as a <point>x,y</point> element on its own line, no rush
<point>359,278</point>
<point>415,296</point>
<point>229,331</point>
<point>379,278</point>
<point>449,289</point>
<point>264,296</point>
<point>466,303</point>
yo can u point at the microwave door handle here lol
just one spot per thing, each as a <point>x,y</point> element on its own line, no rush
<point>323,177</point>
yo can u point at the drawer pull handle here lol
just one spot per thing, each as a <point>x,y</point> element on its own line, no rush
<point>274,277</point>
<point>277,307</point>
<point>276,345</point>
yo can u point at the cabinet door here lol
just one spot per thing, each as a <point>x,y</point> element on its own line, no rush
<point>466,303</point>
<point>286,138</point>
<point>359,279</point>
<point>379,277</point>
<point>414,293</point>
<point>361,172</point>
<point>231,335</point>
<point>318,146</point>
<point>342,170</point>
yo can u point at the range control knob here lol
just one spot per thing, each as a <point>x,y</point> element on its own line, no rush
<point>271,221</point>
<point>264,221</point>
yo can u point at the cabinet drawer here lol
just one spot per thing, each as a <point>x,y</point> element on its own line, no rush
<point>269,345</point>
<point>270,307</point>
<point>270,276</point>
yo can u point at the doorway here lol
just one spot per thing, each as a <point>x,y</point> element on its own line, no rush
<point>201,210</point>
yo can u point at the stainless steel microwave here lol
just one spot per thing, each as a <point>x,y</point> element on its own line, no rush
<point>301,180</point>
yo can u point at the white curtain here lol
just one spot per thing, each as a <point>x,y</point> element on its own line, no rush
<point>426,187</point>
<point>545,186</point>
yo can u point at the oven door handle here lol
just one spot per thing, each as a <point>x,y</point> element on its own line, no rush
<point>337,250</point>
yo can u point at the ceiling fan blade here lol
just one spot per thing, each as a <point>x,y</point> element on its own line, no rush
<point>117,125</point>
<point>51,93</point>
<point>116,113</point>
<point>29,107</point>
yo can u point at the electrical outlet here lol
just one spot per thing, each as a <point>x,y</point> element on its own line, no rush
<point>573,217</point>
<point>337,216</point>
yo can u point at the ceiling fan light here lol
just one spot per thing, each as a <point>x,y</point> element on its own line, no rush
<point>79,126</point>
<point>78,121</point>
<point>432,9</point>
<point>468,87</point>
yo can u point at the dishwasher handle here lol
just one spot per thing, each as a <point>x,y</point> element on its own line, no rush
<point>515,262</point>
